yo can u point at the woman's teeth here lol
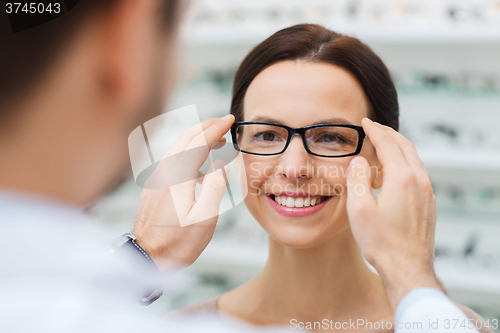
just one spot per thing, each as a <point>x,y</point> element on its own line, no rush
<point>298,202</point>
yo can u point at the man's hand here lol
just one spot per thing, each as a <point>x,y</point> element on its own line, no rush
<point>171,226</point>
<point>395,230</point>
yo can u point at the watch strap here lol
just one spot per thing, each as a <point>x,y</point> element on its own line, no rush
<point>139,260</point>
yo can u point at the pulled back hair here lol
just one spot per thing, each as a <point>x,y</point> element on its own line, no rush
<point>314,43</point>
<point>27,55</point>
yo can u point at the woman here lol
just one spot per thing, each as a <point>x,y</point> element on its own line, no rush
<point>298,78</point>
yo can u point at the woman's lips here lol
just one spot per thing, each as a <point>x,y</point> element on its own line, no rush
<point>294,211</point>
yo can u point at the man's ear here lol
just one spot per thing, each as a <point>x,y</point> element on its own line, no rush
<point>127,38</point>
<point>376,173</point>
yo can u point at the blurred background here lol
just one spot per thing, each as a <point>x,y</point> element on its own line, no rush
<point>444,56</point>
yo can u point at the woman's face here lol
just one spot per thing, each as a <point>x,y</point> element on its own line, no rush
<point>300,94</point>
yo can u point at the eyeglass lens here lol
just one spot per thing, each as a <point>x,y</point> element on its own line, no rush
<point>271,139</point>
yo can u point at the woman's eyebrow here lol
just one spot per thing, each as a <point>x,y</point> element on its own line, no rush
<point>337,121</point>
<point>267,120</point>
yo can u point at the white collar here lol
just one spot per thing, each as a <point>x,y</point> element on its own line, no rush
<point>18,206</point>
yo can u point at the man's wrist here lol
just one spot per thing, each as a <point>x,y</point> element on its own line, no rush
<point>399,280</point>
<point>165,257</point>
<point>140,261</point>
<point>148,247</point>
<point>152,244</point>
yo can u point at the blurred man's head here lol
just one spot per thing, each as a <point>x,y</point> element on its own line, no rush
<point>71,91</point>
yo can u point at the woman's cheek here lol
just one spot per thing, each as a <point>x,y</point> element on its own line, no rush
<point>335,177</point>
<point>254,185</point>
<point>254,178</point>
<point>254,175</point>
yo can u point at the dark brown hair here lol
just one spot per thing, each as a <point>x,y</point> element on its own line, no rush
<point>25,56</point>
<point>311,42</point>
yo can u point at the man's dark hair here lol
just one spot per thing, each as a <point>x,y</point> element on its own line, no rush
<point>27,55</point>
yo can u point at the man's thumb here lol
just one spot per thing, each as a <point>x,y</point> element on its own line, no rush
<point>213,187</point>
<point>360,201</point>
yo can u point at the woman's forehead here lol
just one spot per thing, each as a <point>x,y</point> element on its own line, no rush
<point>300,92</point>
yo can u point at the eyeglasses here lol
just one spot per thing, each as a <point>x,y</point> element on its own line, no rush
<point>324,140</point>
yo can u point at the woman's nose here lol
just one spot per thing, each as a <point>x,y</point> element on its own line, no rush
<point>295,161</point>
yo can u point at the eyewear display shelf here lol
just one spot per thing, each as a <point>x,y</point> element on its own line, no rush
<point>461,161</point>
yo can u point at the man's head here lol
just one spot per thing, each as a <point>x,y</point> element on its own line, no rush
<point>71,91</point>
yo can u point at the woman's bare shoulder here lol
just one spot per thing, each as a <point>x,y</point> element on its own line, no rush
<point>209,306</point>
<point>484,327</point>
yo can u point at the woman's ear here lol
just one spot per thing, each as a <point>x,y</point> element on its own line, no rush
<point>376,173</point>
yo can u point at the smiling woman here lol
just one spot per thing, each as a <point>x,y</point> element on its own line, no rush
<point>298,99</point>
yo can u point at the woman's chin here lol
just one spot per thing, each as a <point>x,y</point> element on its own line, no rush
<point>303,238</point>
<point>300,237</point>
<point>304,243</point>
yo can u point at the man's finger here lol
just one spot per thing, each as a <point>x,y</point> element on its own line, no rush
<point>388,152</point>
<point>212,190</point>
<point>408,150</point>
<point>360,201</point>
<point>187,136</point>
<point>218,145</point>
<point>200,177</point>
<point>212,134</point>
<point>218,164</point>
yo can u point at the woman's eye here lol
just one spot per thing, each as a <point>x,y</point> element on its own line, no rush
<point>329,138</point>
<point>267,136</point>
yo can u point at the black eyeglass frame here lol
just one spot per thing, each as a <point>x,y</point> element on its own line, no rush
<point>297,131</point>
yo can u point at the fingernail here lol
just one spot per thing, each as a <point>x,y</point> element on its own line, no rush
<point>357,161</point>
<point>219,165</point>
<point>229,116</point>
<point>371,121</point>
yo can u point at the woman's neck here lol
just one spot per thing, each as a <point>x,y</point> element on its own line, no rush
<point>329,281</point>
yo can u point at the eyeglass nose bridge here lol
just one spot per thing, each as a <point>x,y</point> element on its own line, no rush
<point>297,131</point>
<point>300,132</point>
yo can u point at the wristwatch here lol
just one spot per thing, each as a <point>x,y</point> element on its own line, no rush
<point>137,259</point>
